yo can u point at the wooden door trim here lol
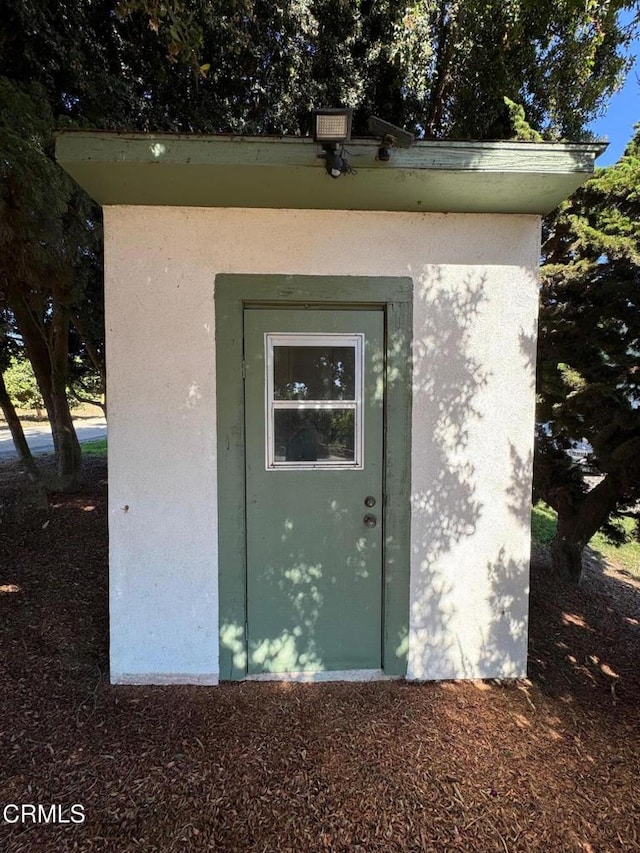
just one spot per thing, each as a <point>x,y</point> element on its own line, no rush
<point>395,297</point>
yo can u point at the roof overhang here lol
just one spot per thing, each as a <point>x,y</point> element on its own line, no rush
<point>268,172</point>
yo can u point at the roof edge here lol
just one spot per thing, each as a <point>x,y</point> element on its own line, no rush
<point>505,176</point>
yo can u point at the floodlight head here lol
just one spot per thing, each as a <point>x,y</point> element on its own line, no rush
<point>391,135</point>
<point>332,126</point>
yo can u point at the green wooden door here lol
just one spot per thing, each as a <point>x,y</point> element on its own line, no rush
<point>314,405</point>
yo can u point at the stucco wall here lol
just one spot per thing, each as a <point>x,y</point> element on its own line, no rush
<point>474,344</point>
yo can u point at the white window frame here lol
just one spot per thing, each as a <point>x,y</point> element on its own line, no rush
<point>313,339</point>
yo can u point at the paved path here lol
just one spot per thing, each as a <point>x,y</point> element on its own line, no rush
<point>39,438</point>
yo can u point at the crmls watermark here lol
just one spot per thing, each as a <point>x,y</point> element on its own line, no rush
<point>38,813</point>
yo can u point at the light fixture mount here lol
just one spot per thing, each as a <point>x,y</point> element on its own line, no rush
<point>390,136</point>
<point>335,161</point>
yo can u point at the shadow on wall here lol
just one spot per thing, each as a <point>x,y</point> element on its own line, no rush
<point>455,633</point>
<point>528,349</point>
<point>504,648</point>
<point>445,508</point>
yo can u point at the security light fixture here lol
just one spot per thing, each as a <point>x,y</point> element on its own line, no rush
<point>331,129</point>
<point>332,126</point>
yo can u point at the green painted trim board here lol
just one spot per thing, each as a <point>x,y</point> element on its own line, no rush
<point>265,172</point>
<point>395,296</point>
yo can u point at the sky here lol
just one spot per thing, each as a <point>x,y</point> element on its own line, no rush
<point>623,112</point>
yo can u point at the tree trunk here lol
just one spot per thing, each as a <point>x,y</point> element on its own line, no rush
<point>17,433</point>
<point>90,347</point>
<point>443,58</point>
<point>65,439</point>
<point>566,555</point>
<point>579,518</point>
<point>90,401</point>
<point>47,350</point>
<point>97,361</point>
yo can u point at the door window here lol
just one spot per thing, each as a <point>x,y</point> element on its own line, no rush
<point>313,400</point>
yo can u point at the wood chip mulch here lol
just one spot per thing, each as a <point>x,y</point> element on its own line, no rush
<point>550,764</point>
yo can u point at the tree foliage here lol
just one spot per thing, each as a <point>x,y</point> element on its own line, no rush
<point>438,67</point>
<point>9,350</point>
<point>21,384</point>
<point>441,68</point>
<point>46,243</point>
<point>589,357</point>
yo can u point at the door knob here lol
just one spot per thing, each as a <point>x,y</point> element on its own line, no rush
<point>370,520</point>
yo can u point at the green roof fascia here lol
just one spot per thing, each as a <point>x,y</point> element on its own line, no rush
<point>268,172</point>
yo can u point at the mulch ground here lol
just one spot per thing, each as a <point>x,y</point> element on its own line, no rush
<point>549,764</point>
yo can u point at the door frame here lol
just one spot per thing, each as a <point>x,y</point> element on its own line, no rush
<point>234,292</point>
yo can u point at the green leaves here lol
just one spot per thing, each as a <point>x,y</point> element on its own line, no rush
<point>34,191</point>
<point>437,67</point>
<point>21,384</point>
<point>589,343</point>
<point>521,127</point>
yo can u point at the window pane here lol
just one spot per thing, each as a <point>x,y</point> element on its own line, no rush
<point>314,373</point>
<point>314,436</point>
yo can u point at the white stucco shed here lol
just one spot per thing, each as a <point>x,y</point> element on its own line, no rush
<point>254,307</point>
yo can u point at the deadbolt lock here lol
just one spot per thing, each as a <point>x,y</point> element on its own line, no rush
<point>370,520</point>
<point>369,501</point>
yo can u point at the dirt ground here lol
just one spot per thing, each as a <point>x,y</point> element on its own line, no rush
<point>549,764</point>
